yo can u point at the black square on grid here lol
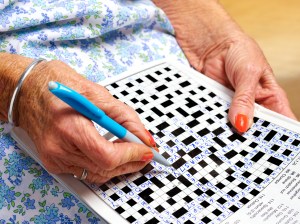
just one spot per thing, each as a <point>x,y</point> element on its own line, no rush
<point>149,118</point>
<point>158,72</point>
<point>230,178</point>
<point>209,192</point>
<point>160,208</point>
<point>204,204</point>
<point>131,219</point>
<point>232,193</point>
<point>140,92</point>
<point>115,85</point>
<point>284,138</point>
<point>139,80</point>
<point>246,174</point>
<point>256,133</point>
<point>170,177</point>
<point>192,170</point>
<point>152,79</point>
<point>139,111</point>
<point>181,152</point>
<point>168,79</point>
<point>124,93</point>
<point>131,202</point>
<point>120,210</point>
<point>212,149</point>
<point>192,92</point>
<point>229,171</point>
<point>296,142</point>
<point>218,104</point>
<point>202,99</point>
<point>255,119</point>
<point>170,115</point>
<point>221,200</point>
<point>198,192</point>
<point>144,101</point>
<point>217,212</point>
<point>161,88</point>
<point>265,124</point>
<point>243,153</point>
<point>240,164</point>
<point>213,173</point>
<point>114,196</point>
<point>154,97</point>
<point>242,185</point>
<point>104,187</point>
<point>220,185</point>
<point>218,131</point>
<point>201,88</point>
<point>185,84</point>
<point>142,211</point>
<point>180,212</point>
<point>233,208</point>
<point>177,75</point>
<point>287,152</point>
<point>253,145</point>
<point>126,189</point>
<point>160,134</point>
<point>178,92</point>
<point>275,147</point>
<point>203,180</point>
<point>210,121</point>
<point>152,221</point>
<point>254,192</point>
<point>129,84</point>
<point>212,95</point>
<point>169,96</point>
<point>134,100</point>
<point>171,201</point>
<point>202,163</point>
<point>203,132</point>
<point>206,219</point>
<point>115,96</point>
<point>166,155</point>
<point>188,199</point>
<point>268,171</point>
<point>244,200</point>
<point>258,180</point>
<point>220,116</point>
<point>197,114</point>
<point>178,163</point>
<point>188,222</point>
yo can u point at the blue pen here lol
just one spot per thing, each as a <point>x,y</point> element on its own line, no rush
<point>91,111</point>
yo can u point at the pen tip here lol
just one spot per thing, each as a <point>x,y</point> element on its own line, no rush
<point>52,85</point>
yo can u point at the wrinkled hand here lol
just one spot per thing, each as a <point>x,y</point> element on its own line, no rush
<point>66,141</point>
<point>216,46</point>
<point>239,64</point>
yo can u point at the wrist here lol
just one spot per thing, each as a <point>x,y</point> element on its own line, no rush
<point>12,66</point>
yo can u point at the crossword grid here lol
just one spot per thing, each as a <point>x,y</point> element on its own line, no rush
<point>214,172</point>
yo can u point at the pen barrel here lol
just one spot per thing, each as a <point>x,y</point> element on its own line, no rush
<point>112,126</point>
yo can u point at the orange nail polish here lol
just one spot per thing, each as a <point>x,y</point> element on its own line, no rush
<point>147,157</point>
<point>151,139</point>
<point>241,123</point>
<point>156,149</point>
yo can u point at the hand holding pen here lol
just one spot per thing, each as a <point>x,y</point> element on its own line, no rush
<point>68,142</point>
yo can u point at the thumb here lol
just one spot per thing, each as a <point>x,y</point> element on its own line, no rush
<point>241,111</point>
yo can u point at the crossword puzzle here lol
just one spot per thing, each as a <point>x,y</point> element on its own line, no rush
<point>215,171</point>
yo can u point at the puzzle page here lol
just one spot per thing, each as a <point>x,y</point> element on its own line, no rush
<point>215,171</point>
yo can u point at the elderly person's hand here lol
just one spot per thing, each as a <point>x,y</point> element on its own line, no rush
<point>216,46</point>
<point>67,142</point>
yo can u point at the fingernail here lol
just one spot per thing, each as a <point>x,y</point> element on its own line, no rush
<point>151,139</point>
<point>241,122</point>
<point>156,149</point>
<point>147,157</point>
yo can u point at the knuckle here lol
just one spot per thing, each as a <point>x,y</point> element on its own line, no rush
<point>244,99</point>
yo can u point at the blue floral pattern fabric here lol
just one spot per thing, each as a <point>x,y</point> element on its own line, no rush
<point>99,39</point>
